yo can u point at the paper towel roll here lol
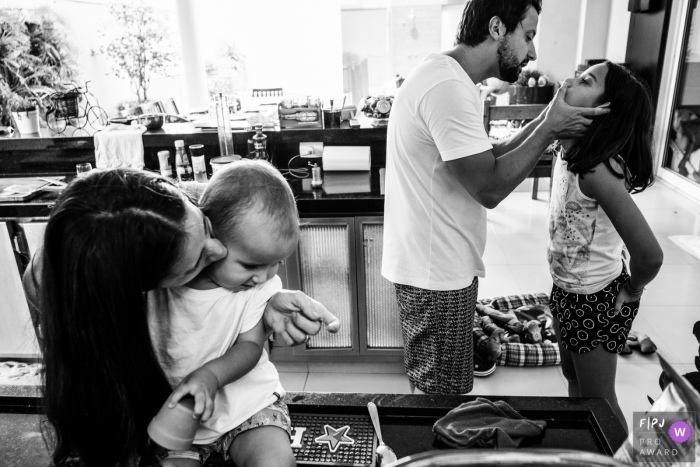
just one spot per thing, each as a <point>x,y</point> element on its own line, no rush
<point>346,158</point>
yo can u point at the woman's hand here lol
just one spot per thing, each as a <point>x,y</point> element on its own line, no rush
<point>201,384</point>
<point>296,316</point>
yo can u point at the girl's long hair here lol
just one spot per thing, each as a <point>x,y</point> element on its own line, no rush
<point>111,236</point>
<point>627,131</point>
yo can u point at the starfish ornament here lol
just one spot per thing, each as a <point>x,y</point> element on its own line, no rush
<point>335,438</point>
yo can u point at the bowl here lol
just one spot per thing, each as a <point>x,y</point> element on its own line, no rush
<point>151,121</point>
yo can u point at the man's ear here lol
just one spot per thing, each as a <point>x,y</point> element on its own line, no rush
<point>497,29</point>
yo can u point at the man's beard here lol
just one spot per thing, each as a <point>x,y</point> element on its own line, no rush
<point>508,64</point>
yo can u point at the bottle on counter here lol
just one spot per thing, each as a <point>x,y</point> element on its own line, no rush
<point>316,176</point>
<point>259,141</point>
<point>182,163</point>
<point>164,159</point>
<point>223,120</point>
<point>199,166</point>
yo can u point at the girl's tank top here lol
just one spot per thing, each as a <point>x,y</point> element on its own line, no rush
<point>585,250</point>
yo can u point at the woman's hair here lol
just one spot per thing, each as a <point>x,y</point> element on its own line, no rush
<point>111,236</point>
<point>473,28</point>
<point>246,185</point>
<point>627,131</point>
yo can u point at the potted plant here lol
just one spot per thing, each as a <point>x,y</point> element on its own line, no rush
<point>35,59</point>
<point>25,114</point>
<point>532,87</point>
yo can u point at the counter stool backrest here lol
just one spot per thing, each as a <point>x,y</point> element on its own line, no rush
<point>170,108</point>
<point>267,92</point>
<point>545,166</point>
<point>152,108</point>
<point>509,112</point>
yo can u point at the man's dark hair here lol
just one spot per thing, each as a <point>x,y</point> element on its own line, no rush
<point>474,27</point>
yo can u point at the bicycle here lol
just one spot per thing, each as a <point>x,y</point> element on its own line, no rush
<point>66,109</point>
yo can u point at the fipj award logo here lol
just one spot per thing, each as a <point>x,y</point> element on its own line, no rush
<point>664,436</point>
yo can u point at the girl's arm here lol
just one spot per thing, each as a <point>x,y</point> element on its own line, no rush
<point>646,255</point>
<point>238,361</point>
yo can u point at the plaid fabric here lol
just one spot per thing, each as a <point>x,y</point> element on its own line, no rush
<point>518,354</point>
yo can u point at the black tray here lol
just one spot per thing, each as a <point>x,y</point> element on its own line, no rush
<point>583,424</point>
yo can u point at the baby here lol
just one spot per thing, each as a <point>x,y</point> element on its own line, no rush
<point>209,335</point>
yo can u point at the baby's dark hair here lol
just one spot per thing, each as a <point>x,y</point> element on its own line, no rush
<point>626,131</point>
<point>246,185</point>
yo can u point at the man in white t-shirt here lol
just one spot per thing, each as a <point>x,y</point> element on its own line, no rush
<point>443,173</point>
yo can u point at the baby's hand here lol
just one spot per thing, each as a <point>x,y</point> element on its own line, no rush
<point>201,384</point>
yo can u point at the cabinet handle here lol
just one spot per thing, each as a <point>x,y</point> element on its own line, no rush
<point>368,250</point>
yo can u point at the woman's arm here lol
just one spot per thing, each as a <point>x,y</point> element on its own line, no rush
<point>295,316</point>
<point>646,255</point>
<point>238,361</point>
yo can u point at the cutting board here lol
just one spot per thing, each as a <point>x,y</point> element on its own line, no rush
<point>29,185</point>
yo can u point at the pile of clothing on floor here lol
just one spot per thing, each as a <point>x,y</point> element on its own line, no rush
<point>515,330</point>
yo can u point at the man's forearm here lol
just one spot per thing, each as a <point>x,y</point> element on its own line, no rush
<point>514,166</point>
<point>502,147</point>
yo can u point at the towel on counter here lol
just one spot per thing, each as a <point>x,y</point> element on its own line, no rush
<point>119,146</point>
<point>482,423</point>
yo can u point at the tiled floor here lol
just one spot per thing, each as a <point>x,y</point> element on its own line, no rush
<point>516,263</point>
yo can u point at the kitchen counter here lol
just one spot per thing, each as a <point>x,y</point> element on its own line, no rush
<point>342,193</point>
<point>59,155</point>
<point>582,424</point>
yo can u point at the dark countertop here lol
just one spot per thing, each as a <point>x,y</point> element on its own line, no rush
<point>59,155</point>
<point>581,424</point>
<point>342,194</point>
<point>587,424</point>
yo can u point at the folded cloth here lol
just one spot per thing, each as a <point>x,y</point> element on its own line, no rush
<point>119,146</point>
<point>482,423</point>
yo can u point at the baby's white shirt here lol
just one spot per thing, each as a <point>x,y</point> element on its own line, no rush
<point>192,327</point>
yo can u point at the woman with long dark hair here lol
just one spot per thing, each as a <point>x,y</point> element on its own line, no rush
<point>113,236</point>
<point>592,217</point>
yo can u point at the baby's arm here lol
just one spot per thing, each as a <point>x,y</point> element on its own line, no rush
<point>238,360</point>
<point>646,255</point>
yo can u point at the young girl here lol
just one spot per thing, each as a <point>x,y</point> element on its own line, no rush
<point>591,219</point>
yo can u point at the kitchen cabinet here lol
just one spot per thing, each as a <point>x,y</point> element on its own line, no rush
<point>378,313</point>
<point>338,262</point>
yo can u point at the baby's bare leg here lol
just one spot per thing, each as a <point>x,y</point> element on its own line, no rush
<point>262,447</point>
<point>180,463</point>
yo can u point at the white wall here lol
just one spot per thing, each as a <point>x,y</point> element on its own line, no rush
<point>298,45</point>
<point>618,29</point>
<point>593,29</point>
<point>558,38</point>
<point>294,45</point>
<point>451,16</point>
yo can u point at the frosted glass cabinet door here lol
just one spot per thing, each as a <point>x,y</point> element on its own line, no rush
<point>327,274</point>
<point>379,314</point>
